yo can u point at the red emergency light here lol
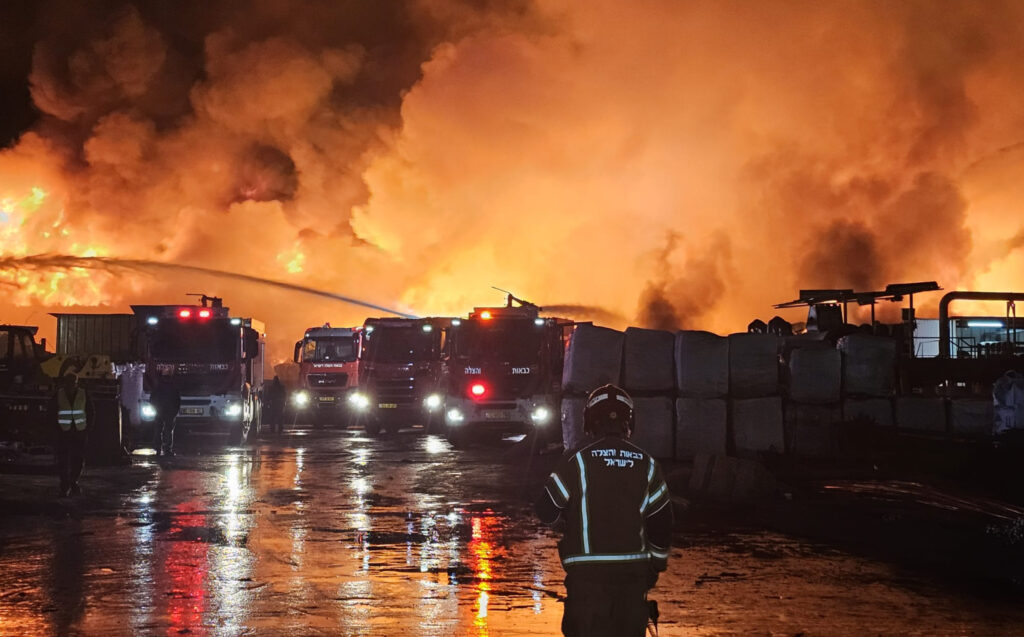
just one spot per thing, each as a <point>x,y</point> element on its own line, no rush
<point>204,313</point>
<point>477,390</point>
<point>184,314</point>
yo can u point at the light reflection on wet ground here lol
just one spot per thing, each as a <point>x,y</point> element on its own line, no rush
<point>337,533</point>
<point>326,534</point>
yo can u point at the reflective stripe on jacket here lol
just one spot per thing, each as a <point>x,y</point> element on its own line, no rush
<point>71,412</point>
<point>606,492</point>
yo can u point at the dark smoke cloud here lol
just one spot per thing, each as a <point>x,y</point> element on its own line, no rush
<point>680,297</point>
<point>844,255</point>
<point>426,149</point>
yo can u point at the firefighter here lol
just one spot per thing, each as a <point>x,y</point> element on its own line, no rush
<point>617,516</point>
<point>167,401</point>
<point>275,399</point>
<point>72,420</point>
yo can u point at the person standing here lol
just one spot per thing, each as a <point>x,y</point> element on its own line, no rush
<point>167,401</point>
<point>275,400</point>
<point>72,420</point>
<point>617,517</point>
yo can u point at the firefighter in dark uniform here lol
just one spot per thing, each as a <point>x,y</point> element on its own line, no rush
<point>166,399</point>
<point>617,517</point>
<point>72,421</point>
<point>274,405</point>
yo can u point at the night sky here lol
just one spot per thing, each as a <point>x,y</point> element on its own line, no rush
<point>18,29</point>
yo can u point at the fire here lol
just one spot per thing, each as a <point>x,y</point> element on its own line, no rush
<point>293,259</point>
<point>29,219</point>
<point>760,149</point>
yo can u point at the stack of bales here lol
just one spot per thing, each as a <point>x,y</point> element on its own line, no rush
<point>593,358</point>
<point>971,417</point>
<point>755,403</point>
<point>648,376</point>
<point>1008,403</point>
<point>869,379</point>
<point>813,410</point>
<point>702,381</point>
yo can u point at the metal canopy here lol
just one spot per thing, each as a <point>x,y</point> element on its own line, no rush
<point>892,292</point>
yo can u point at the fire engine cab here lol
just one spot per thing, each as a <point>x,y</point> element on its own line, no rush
<point>504,371</point>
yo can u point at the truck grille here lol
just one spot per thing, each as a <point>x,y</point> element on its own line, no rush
<point>328,380</point>
<point>401,391</point>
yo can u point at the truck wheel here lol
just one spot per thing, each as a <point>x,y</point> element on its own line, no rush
<point>372,427</point>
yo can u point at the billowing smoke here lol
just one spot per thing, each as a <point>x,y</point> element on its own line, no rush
<point>686,164</point>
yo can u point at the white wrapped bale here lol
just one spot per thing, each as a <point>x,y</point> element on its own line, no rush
<point>869,365</point>
<point>702,364</point>
<point>1008,390</point>
<point>971,417</point>
<point>654,425</point>
<point>648,360</point>
<point>1005,419</point>
<point>868,411</point>
<point>810,430</point>
<point>753,365</point>
<point>921,413</point>
<point>815,375</point>
<point>594,358</point>
<point>813,415</point>
<point>572,422</point>
<point>757,425</point>
<point>700,427</point>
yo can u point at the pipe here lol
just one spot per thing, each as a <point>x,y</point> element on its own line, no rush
<point>944,340</point>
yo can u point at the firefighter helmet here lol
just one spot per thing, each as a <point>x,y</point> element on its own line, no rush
<point>609,410</point>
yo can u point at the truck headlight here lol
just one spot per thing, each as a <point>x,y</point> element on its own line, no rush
<point>147,411</point>
<point>233,410</point>
<point>359,401</point>
<point>541,415</point>
<point>432,402</point>
<point>300,398</point>
<point>454,416</point>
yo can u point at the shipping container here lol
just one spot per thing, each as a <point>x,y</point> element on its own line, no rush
<point>118,336</point>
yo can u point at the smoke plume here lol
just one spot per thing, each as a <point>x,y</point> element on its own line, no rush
<point>417,153</point>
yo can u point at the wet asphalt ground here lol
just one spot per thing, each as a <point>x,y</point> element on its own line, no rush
<point>332,532</point>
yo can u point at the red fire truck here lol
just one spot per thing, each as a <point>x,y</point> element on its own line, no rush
<point>504,372</point>
<point>400,373</point>
<point>327,373</point>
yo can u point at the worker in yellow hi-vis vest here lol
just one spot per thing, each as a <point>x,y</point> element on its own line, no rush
<point>73,421</point>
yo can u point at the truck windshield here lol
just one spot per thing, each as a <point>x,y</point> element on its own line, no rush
<point>394,344</point>
<point>192,341</point>
<point>339,348</point>
<point>515,341</point>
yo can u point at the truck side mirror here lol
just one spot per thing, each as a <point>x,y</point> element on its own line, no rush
<point>298,347</point>
<point>251,343</point>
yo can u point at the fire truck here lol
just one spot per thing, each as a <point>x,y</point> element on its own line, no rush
<point>504,372</point>
<point>215,360</point>
<point>327,372</point>
<point>400,373</point>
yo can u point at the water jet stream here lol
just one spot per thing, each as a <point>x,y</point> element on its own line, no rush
<point>50,262</point>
